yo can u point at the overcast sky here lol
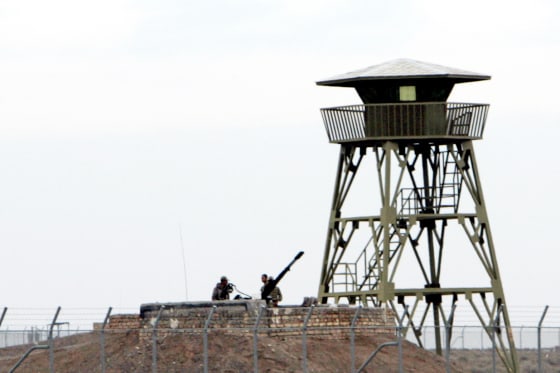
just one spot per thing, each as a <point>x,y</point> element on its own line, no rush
<point>123,123</point>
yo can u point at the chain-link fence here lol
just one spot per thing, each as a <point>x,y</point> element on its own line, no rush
<point>82,335</point>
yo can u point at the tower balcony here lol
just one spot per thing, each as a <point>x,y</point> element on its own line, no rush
<point>417,120</point>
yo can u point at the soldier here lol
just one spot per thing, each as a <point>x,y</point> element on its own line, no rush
<point>222,289</point>
<point>275,295</point>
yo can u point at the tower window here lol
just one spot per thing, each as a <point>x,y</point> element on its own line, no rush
<point>407,93</point>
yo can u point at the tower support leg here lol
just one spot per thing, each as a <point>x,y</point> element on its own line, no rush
<point>423,191</point>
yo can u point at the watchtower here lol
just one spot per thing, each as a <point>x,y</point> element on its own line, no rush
<point>386,243</point>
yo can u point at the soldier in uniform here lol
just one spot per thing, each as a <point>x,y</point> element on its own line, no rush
<point>222,289</point>
<point>275,295</point>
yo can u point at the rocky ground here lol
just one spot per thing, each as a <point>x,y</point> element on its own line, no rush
<point>127,352</point>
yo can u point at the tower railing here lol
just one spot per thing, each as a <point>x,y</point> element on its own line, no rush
<point>419,119</point>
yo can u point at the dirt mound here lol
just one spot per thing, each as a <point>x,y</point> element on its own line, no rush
<point>126,352</point>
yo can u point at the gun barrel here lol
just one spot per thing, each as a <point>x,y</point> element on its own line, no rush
<point>272,284</point>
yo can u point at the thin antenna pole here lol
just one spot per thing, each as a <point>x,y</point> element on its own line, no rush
<point>184,261</point>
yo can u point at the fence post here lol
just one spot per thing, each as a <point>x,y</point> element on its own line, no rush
<point>379,348</point>
<point>304,338</point>
<point>154,340</point>
<point>2,320</point>
<point>255,340</point>
<point>205,338</point>
<point>463,337</point>
<point>539,339</point>
<point>448,324</point>
<point>400,337</point>
<point>3,314</point>
<point>352,336</point>
<point>495,325</point>
<point>102,341</point>
<point>51,342</point>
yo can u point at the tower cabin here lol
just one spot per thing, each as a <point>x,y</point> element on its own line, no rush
<point>404,99</point>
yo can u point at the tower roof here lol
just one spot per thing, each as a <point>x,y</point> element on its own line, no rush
<point>403,69</point>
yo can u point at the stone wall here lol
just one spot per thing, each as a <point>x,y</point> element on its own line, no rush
<point>241,317</point>
<point>124,322</point>
<point>331,321</point>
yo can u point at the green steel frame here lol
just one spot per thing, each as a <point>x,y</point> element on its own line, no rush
<point>425,186</point>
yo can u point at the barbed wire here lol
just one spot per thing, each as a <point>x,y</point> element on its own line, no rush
<point>84,318</point>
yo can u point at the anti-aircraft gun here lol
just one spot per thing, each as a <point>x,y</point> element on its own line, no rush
<point>270,285</point>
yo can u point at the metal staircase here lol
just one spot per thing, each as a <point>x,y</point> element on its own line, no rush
<point>444,197</point>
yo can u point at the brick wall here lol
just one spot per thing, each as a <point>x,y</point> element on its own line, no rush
<point>240,317</point>
<point>124,322</point>
<point>331,321</point>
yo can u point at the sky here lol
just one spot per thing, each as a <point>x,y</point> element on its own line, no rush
<point>149,147</point>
